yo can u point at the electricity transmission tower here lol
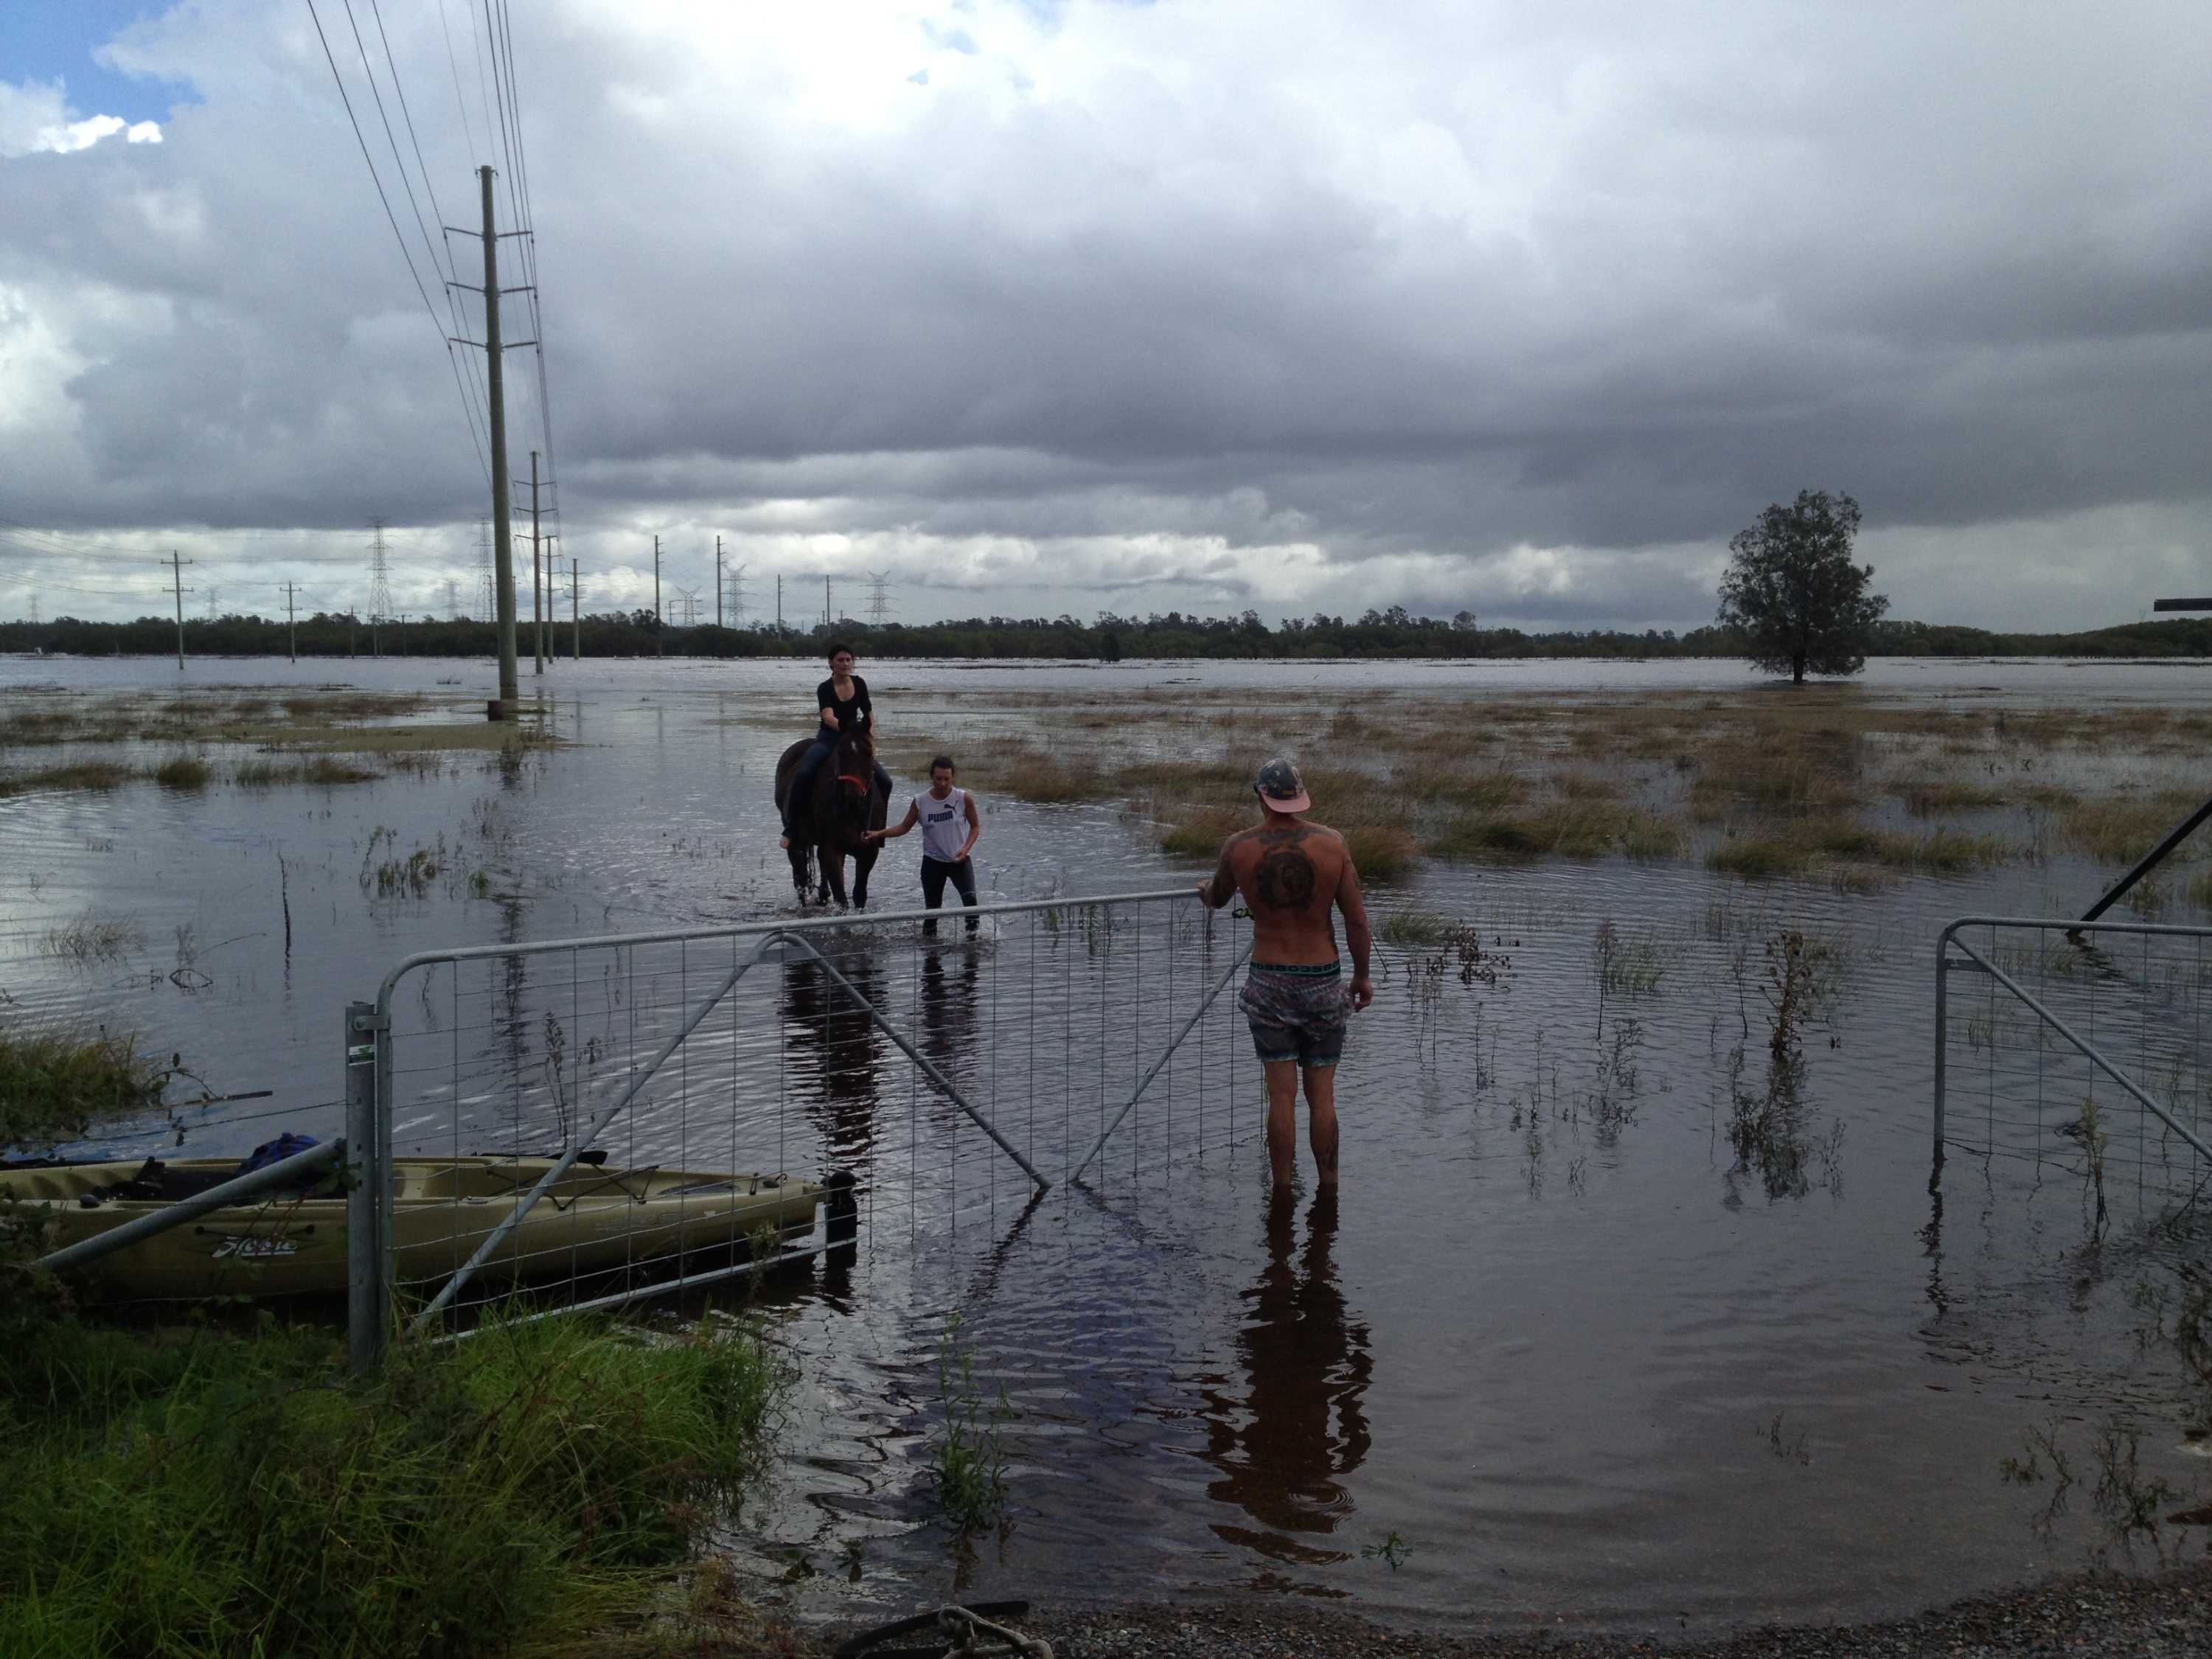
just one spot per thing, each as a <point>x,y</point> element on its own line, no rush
<point>212,613</point>
<point>380,584</point>
<point>880,605</point>
<point>453,601</point>
<point>690,597</point>
<point>737,597</point>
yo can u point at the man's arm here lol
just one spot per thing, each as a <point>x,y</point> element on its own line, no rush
<point>974,827</point>
<point>1222,886</point>
<point>1358,937</point>
<point>912,817</point>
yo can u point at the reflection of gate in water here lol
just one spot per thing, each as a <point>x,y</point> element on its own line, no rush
<point>951,1077</point>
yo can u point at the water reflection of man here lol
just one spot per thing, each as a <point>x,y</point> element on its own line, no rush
<point>949,1008</point>
<point>1284,1449</point>
<point>833,1045</point>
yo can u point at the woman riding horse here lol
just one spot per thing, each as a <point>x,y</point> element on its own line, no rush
<point>842,701</point>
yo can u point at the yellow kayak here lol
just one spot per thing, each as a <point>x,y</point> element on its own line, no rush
<point>593,1220</point>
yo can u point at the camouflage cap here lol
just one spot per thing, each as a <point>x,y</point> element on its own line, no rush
<point>1279,785</point>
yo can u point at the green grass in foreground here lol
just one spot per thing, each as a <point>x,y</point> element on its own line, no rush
<point>226,1493</point>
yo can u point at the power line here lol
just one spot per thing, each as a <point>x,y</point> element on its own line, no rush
<point>392,218</point>
<point>438,249</point>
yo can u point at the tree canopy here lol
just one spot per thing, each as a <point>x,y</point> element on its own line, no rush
<point>1792,594</point>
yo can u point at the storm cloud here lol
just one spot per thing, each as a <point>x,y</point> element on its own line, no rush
<point>1043,307</point>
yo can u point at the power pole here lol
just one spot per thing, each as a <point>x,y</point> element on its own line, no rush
<point>486,601</point>
<point>828,621</point>
<point>718,581</point>
<point>778,603</point>
<point>656,596</point>
<point>575,617</point>
<point>177,580</point>
<point>292,627</point>
<point>537,588</point>
<point>502,526</point>
<point>380,584</point>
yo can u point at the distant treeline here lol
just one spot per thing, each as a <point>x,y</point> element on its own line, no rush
<point>1391,633</point>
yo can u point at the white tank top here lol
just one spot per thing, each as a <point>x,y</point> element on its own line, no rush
<point>943,825</point>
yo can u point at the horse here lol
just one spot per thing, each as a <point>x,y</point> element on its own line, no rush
<point>847,799</point>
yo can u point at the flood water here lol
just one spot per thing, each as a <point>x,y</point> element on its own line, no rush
<point>1559,1352</point>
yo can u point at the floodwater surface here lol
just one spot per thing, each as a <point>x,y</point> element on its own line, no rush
<point>1566,1348</point>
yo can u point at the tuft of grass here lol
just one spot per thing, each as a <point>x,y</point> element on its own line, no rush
<point>1412,928</point>
<point>1557,828</point>
<point>182,772</point>
<point>2122,831</point>
<point>330,769</point>
<point>968,1457</point>
<point>1927,798</point>
<point>1381,852</point>
<point>55,1083</point>
<point>236,1493</point>
<point>1757,856</point>
<point>262,774</point>
<point>1200,836</point>
<point>81,775</point>
<point>89,939</point>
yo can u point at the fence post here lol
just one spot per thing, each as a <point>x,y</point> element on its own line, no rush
<point>369,1191</point>
<point>1943,1042</point>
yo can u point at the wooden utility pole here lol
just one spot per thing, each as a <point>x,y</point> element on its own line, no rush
<point>177,580</point>
<point>656,596</point>
<point>575,617</point>
<point>502,528</point>
<point>718,581</point>
<point>778,605</point>
<point>828,622</point>
<point>538,596</point>
<point>291,626</point>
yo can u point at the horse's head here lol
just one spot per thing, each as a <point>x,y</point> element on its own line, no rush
<point>855,780</point>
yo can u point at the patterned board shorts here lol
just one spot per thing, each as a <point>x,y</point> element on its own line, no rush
<point>1296,1012</point>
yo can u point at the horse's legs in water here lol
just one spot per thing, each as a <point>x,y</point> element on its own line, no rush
<point>833,876</point>
<point>798,871</point>
<point>863,862</point>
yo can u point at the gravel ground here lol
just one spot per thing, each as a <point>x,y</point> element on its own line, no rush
<point>2165,1617</point>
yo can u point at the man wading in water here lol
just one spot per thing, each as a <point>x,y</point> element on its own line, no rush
<point>1290,873</point>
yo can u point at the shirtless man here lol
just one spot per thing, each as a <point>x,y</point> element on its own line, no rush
<point>1290,873</point>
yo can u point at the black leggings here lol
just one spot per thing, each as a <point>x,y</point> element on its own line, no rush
<point>935,873</point>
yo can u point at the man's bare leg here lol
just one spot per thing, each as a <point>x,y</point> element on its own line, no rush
<point>1321,1112</point>
<point>1283,1122</point>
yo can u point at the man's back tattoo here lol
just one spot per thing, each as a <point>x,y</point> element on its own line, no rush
<point>1284,880</point>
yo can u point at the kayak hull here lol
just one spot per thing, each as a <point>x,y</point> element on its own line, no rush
<point>594,1220</point>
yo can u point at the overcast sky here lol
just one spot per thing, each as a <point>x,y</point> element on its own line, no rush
<point>1195,305</point>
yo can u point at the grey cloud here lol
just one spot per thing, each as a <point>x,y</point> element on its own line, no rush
<point>1386,286</point>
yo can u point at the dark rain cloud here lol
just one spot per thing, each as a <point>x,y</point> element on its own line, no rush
<point>1291,304</point>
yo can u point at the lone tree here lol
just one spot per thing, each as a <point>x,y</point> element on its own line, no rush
<point>1793,592</point>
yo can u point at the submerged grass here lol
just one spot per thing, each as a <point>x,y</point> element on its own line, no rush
<point>1578,829</point>
<point>183,772</point>
<point>236,1493</point>
<point>2122,831</point>
<point>1798,846</point>
<point>81,775</point>
<point>55,1082</point>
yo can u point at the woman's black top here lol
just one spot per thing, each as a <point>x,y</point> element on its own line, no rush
<point>825,696</point>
